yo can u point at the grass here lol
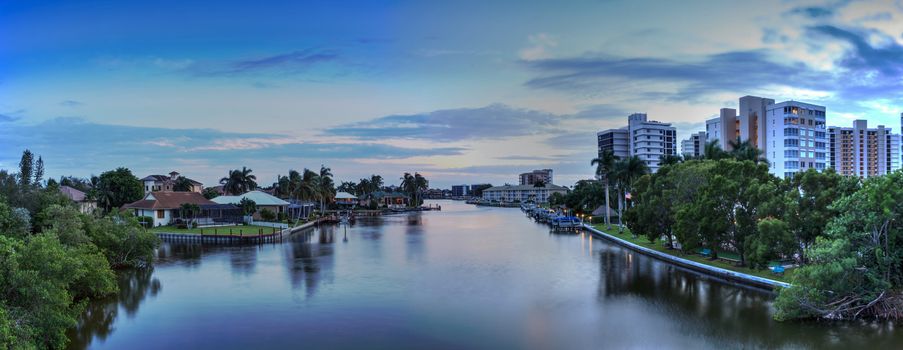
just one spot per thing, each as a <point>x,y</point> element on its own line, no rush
<point>246,230</point>
<point>643,242</point>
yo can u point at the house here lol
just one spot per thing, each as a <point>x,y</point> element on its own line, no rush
<point>389,200</point>
<point>345,199</point>
<point>84,205</point>
<point>262,199</point>
<point>164,207</point>
<point>163,183</point>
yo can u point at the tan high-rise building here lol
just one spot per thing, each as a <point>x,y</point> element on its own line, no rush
<point>860,151</point>
<point>744,124</point>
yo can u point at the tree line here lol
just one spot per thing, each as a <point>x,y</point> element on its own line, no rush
<point>844,233</point>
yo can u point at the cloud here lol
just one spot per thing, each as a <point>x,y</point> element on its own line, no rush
<point>539,43</point>
<point>734,71</point>
<point>77,146</point>
<point>814,12</point>
<point>70,103</point>
<point>7,118</point>
<point>291,62</point>
<point>490,122</point>
<point>868,71</point>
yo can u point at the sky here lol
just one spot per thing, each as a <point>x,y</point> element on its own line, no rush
<point>460,91</point>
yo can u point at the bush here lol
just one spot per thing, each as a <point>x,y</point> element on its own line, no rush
<point>146,221</point>
<point>267,215</point>
<point>194,224</point>
<point>281,217</point>
<point>181,226</point>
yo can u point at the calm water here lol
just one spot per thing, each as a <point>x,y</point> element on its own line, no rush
<point>465,277</point>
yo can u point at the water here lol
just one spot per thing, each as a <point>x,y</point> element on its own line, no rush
<point>465,277</point>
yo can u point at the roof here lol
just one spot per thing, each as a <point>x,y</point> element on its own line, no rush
<point>165,178</point>
<point>525,188</point>
<point>344,195</point>
<point>383,194</point>
<point>168,200</point>
<point>259,198</point>
<point>600,211</point>
<point>73,194</point>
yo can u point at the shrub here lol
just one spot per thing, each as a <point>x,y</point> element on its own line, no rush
<point>146,221</point>
<point>181,226</point>
<point>267,215</point>
<point>281,217</point>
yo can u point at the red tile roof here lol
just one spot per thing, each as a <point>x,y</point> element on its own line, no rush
<point>168,200</point>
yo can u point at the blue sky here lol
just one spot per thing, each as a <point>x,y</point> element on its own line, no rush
<point>463,91</point>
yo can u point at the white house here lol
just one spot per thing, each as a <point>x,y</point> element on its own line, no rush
<point>163,206</point>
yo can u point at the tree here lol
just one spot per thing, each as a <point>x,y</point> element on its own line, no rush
<point>669,159</point>
<point>625,172</point>
<point>182,184</point>
<point>39,171</point>
<point>744,150</point>
<point>267,215</point>
<point>26,168</point>
<point>809,198</point>
<point>189,211</point>
<point>239,181</point>
<point>421,184</point>
<point>325,187</point>
<point>248,206</point>
<point>210,193</point>
<point>714,151</point>
<point>539,183</point>
<point>477,190</point>
<point>605,165</point>
<point>116,188</point>
<point>348,187</point>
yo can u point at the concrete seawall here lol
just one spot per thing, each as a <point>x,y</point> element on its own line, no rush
<point>231,239</point>
<point>732,276</point>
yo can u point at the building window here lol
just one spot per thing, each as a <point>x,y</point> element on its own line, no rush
<point>160,214</point>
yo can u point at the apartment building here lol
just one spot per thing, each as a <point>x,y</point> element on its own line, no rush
<point>529,178</point>
<point>796,136</point>
<point>647,139</point>
<point>863,151</point>
<point>694,146</point>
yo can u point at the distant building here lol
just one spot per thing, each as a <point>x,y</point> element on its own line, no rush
<point>797,138</point>
<point>476,190</point>
<point>647,139</point>
<point>460,190</point>
<point>80,198</point>
<point>522,193</point>
<point>155,183</point>
<point>263,201</point>
<point>864,152</point>
<point>530,178</point>
<point>694,146</point>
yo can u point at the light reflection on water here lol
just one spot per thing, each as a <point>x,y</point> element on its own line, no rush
<point>465,277</point>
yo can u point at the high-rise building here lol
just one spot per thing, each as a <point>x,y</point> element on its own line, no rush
<point>797,137</point>
<point>746,124</point>
<point>616,140</point>
<point>530,178</point>
<point>860,151</point>
<point>647,139</point>
<point>713,130</point>
<point>694,146</point>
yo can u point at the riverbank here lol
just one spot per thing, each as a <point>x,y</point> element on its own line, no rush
<point>231,237</point>
<point>745,276</point>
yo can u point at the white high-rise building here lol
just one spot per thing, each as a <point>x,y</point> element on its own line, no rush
<point>648,140</point>
<point>694,146</point>
<point>796,136</point>
<point>864,152</point>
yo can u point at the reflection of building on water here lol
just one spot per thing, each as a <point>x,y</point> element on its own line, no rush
<point>309,258</point>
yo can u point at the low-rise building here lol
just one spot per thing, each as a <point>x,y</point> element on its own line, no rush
<point>164,183</point>
<point>522,193</point>
<point>263,201</point>
<point>80,198</point>
<point>164,207</point>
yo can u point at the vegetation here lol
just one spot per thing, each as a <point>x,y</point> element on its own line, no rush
<point>116,188</point>
<point>239,181</point>
<point>477,190</point>
<point>413,186</point>
<point>53,258</point>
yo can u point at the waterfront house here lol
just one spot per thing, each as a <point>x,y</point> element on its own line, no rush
<point>391,200</point>
<point>164,183</point>
<point>522,193</point>
<point>80,198</point>
<point>263,201</point>
<point>164,207</point>
<point>345,199</point>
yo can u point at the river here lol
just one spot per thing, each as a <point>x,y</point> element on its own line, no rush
<point>462,278</point>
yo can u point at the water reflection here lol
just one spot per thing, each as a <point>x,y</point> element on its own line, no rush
<point>307,259</point>
<point>97,321</point>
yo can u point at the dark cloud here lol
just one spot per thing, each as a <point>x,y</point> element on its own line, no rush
<point>7,118</point>
<point>70,103</point>
<point>292,62</point>
<point>730,71</point>
<point>868,71</point>
<point>494,121</point>
<point>814,12</point>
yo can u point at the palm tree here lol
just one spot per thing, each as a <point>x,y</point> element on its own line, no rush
<point>325,187</point>
<point>604,166</point>
<point>408,184</point>
<point>239,181</point>
<point>377,182</point>
<point>669,159</point>
<point>182,184</point>
<point>420,184</point>
<point>626,171</point>
<point>713,151</point>
<point>744,150</point>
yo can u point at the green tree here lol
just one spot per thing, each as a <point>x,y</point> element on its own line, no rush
<point>182,184</point>
<point>714,151</point>
<point>605,165</point>
<point>26,168</point>
<point>38,172</point>
<point>248,206</point>
<point>239,181</point>
<point>116,188</point>
<point>325,187</point>
<point>210,193</point>
<point>772,240</point>
<point>809,196</point>
<point>625,172</point>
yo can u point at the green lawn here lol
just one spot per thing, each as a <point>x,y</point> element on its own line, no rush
<point>643,242</point>
<point>224,230</point>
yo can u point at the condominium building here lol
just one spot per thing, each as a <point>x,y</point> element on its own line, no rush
<point>796,136</point>
<point>694,146</point>
<point>747,125</point>
<point>649,140</point>
<point>864,152</point>
<point>522,193</point>
<point>529,178</point>
<point>460,190</point>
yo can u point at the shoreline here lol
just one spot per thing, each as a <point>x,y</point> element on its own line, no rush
<point>731,276</point>
<point>232,239</point>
